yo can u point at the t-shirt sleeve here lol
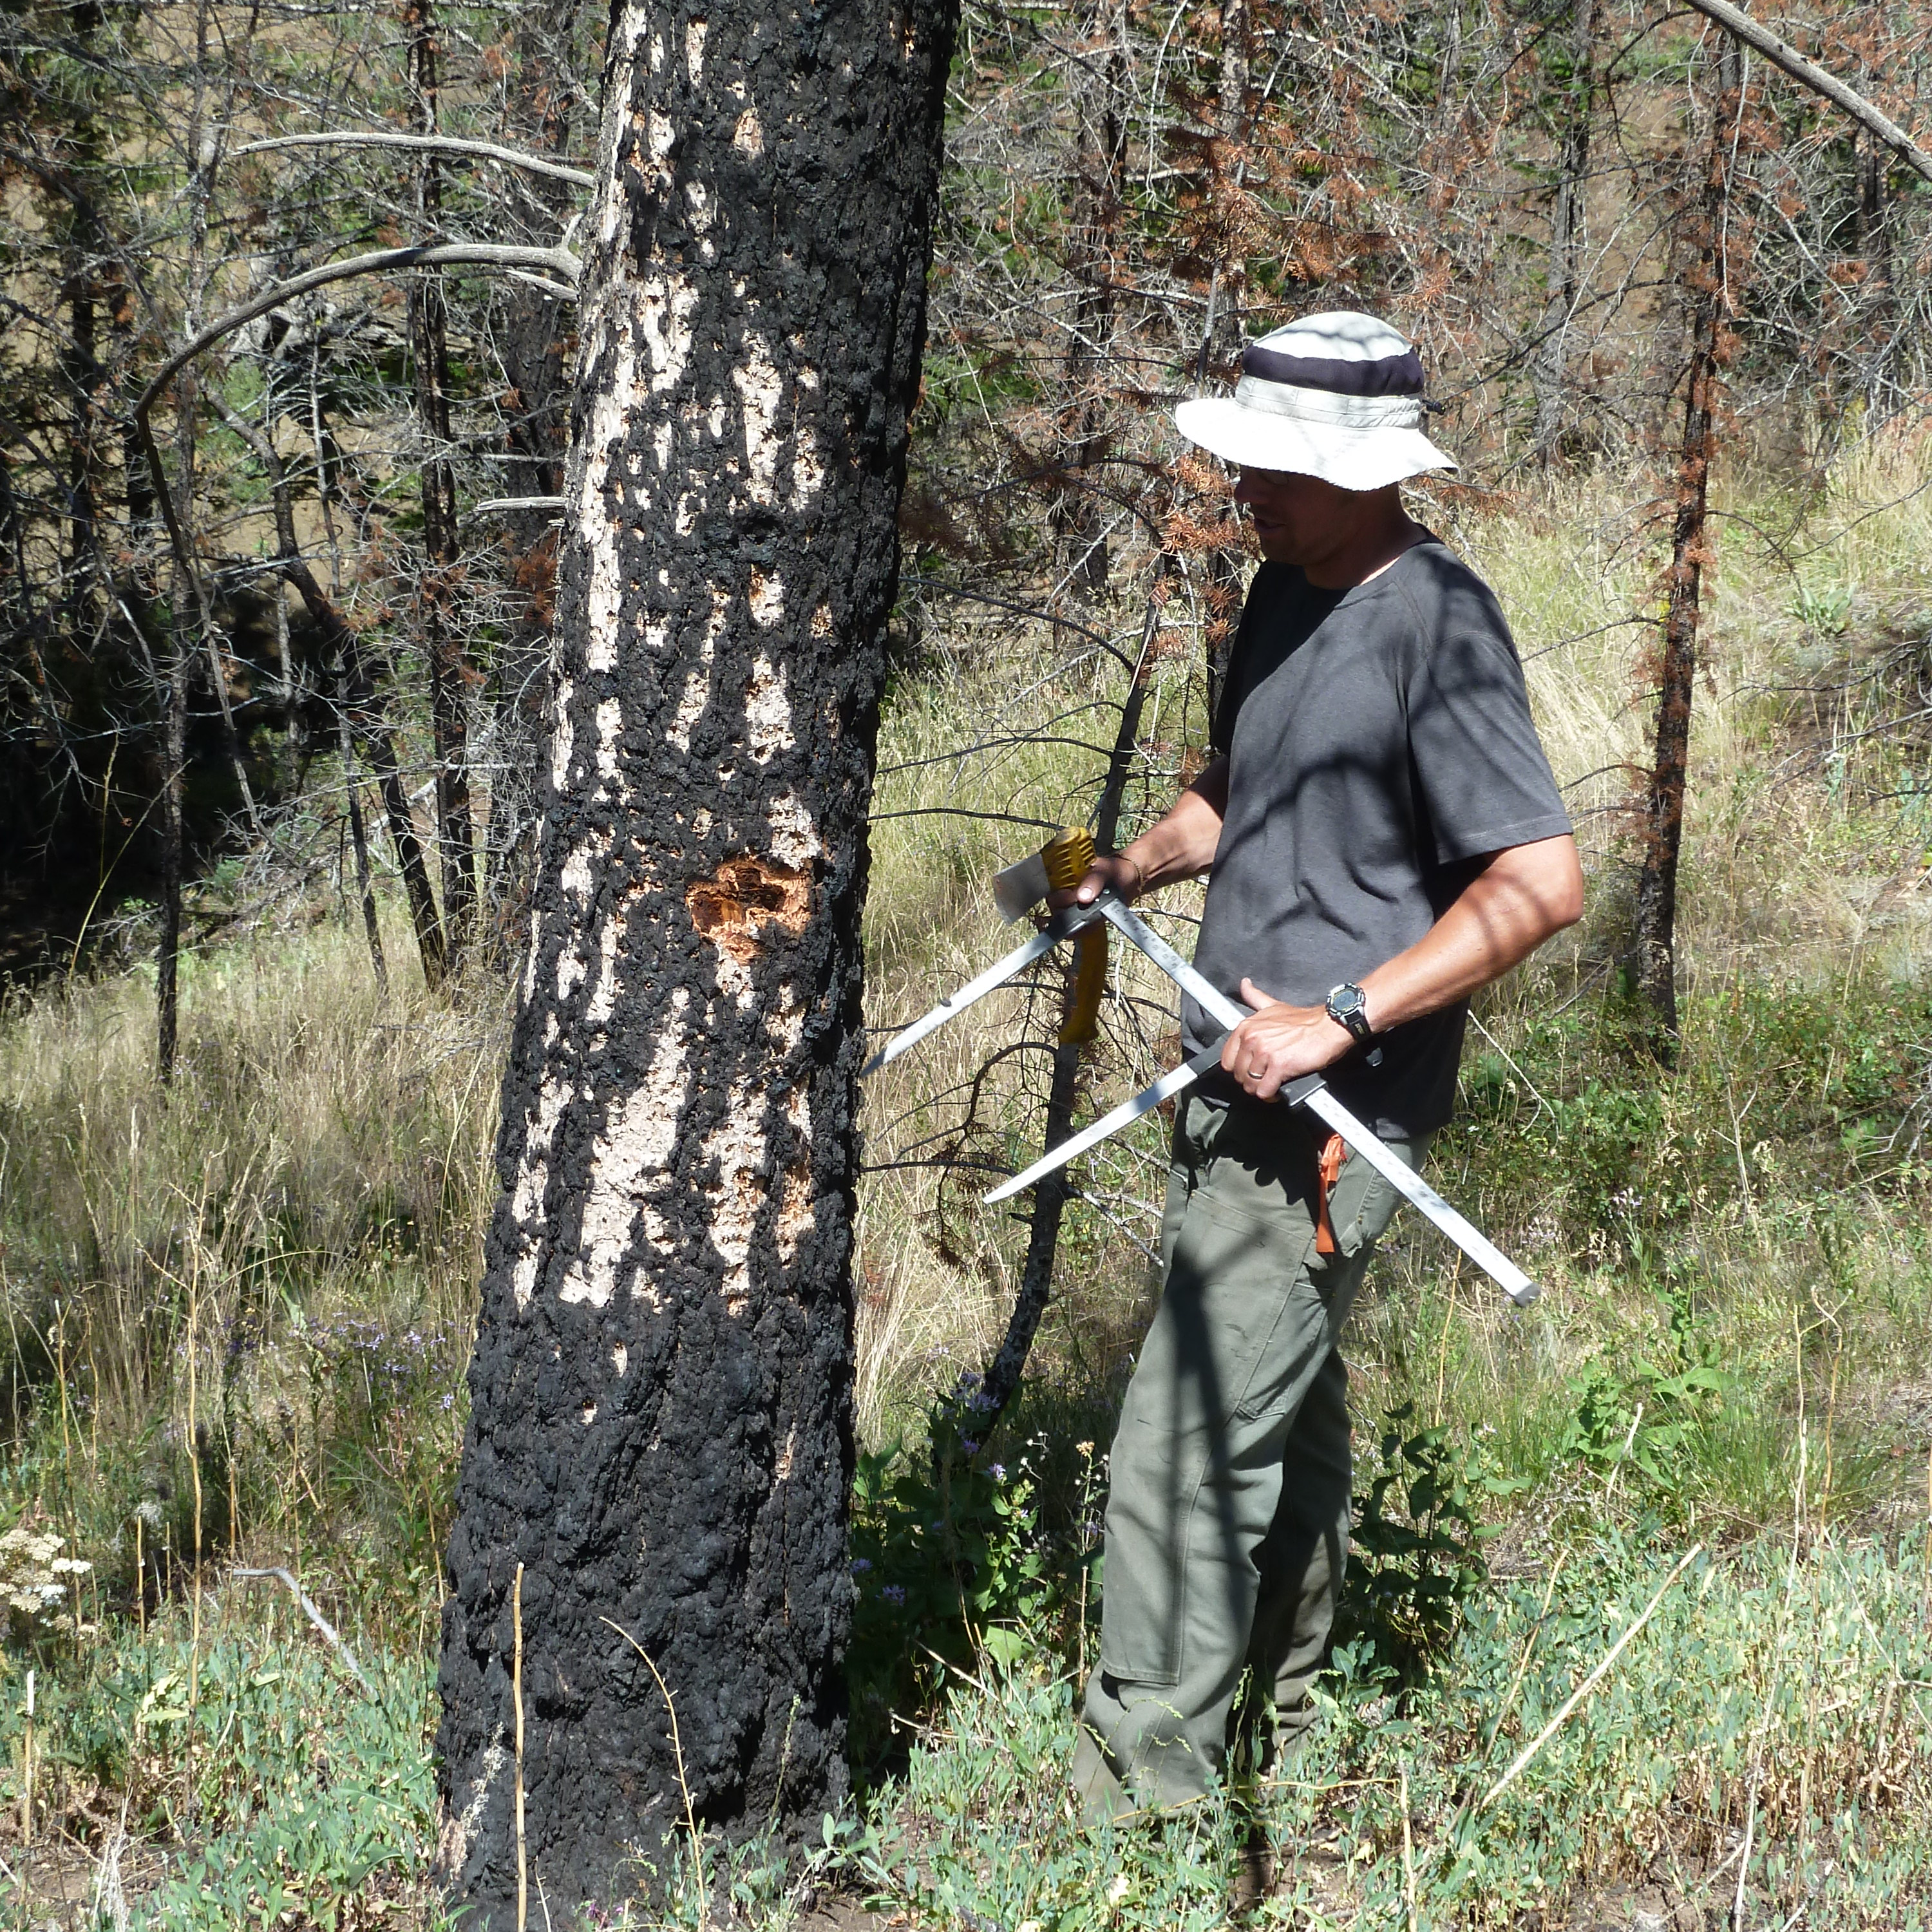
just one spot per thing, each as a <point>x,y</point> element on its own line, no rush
<point>1480,770</point>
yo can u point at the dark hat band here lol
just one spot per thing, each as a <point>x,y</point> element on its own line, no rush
<point>1391,375</point>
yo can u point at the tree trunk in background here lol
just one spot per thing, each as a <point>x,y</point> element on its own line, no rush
<point>365,712</point>
<point>1655,947</point>
<point>1100,152</point>
<point>442,648</point>
<point>1221,343</point>
<point>365,888</point>
<point>536,327</point>
<point>185,596</point>
<point>356,687</point>
<point>1548,368</point>
<point>1001,1380</point>
<point>1872,196</point>
<point>174,841</point>
<point>662,1420</point>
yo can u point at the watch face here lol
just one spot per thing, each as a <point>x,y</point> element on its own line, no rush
<point>1348,1007</point>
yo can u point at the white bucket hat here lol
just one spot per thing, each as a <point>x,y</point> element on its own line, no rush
<point>1337,396</point>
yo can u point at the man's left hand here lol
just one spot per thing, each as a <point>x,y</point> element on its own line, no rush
<point>1280,1043</point>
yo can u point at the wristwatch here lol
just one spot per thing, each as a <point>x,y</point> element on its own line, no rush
<point>1348,1005</point>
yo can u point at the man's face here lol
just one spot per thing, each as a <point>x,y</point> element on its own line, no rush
<point>1300,519</point>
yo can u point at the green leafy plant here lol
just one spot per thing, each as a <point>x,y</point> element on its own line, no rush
<point>1416,1558</point>
<point>950,1562</point>
<point>1644,1414</point>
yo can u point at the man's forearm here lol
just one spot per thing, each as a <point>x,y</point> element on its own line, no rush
<point>1506,912</point>
<point>1518,900</point>
<point>1181,845</point>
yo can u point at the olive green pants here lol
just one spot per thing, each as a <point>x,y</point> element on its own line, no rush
<point>1227,1523</point>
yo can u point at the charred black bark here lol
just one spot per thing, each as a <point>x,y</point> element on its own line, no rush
<point>661,1423</point>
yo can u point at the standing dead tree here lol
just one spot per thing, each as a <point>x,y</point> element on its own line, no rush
<point>1718,252</point>
<point>661,1431</point>
<point>1712,294</point>
<point>442,649</point>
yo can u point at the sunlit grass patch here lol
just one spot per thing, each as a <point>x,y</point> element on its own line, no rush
<point>1738,1707</point>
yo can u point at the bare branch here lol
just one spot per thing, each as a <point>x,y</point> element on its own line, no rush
<point>495,505</point>
<point>1788,60</point>
<point>443,144</point>
<point>434,255</point>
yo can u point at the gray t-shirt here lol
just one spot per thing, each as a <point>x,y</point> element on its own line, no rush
<point>1380,746</point>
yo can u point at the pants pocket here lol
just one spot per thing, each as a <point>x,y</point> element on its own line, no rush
<point>1361,1203</point>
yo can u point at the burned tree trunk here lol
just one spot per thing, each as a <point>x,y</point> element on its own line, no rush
<point>661,1430</point>
<point>1654,948</point>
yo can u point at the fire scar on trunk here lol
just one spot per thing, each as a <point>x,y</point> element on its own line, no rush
<point>746,895</point>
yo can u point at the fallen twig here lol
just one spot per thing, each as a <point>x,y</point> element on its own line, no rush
<point>330,1634</point>
<point>677,1756</point>
<point>1589,1683</point>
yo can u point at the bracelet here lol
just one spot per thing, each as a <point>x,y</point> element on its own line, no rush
<point>1140,877</point>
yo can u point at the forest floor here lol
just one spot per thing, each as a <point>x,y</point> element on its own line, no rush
<point>1691,1484</point>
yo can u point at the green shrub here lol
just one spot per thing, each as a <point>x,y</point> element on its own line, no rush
<point>951,1562</point>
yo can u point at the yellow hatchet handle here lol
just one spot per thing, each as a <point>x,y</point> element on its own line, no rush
<point>1067,855</point>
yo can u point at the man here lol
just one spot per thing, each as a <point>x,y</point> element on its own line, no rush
<point>1382,836</point>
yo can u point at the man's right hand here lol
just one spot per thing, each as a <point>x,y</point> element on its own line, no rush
<point>1113,870</point>
<point>1181,846</point>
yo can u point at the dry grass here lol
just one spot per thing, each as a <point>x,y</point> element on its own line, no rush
<point>276,1262</point>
